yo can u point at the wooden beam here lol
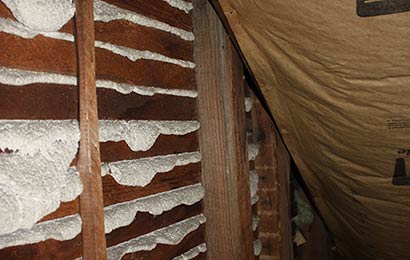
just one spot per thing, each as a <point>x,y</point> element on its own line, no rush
<point>222,138</point>
<point>91,202</point>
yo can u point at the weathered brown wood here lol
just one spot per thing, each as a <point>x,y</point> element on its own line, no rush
<point>143,72</point>
<point>138,37</point>
<point>115,193</point>
<point>179,177</point>
<point>40,54</point>
<point>165,144</point>
<point>5,12</point>
<point>50,101</point>
<point>284,198</point>
<point>113,105</point>
<point>192,240</point>
<point>58,56</point>
<point>225,169</point>
<point>47,250</point>
<point>157,9</point>
<point>266,167</point>
<point>145,223</point>
<point>88,165</point>
<point>130,35</point>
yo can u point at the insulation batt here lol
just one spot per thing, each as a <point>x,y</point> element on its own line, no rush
<point>338,87</point>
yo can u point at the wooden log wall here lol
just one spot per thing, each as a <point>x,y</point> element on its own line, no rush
<point>147,109</point>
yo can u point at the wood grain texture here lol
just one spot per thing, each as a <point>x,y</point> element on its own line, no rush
<point>223,144</point>
<point>50,101</point>
<point>266,168</point>
<point>274,205</point>
<point>89,164</point>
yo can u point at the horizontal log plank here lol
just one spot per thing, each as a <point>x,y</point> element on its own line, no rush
<point>157,9</point>
<point>145,223</point>
<point>165,144</point>
<point>46,250</point>
<point>70,249</point>
<point>58,56</point>
<point>59,102</point>
<point>192,240</point>
<point>114,193</point>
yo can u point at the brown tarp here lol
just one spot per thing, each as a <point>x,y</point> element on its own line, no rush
<point>338,86</point>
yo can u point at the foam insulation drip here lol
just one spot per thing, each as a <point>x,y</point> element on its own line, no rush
<point>254,180</point>
<point>253,151</point>
<point>181,5</point>
<point>135,55</point>
<point>15,28</point>
<point>122,214</point>
<point>59,229</point>
<point>248,104</point>
<point>255,222</point>
<point>140,172</point>
<point>34,178</point>
<point>254,199</point>
<point>305,215</point>
<point>194,252</point>
<point>171,235</point>
<point>16,77</point>
<point>106,12</point>
<point>42,15</point>
<point>141,135</point>
<point>257,247</point>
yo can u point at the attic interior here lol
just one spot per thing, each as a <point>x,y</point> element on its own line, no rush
<point>196,129</point>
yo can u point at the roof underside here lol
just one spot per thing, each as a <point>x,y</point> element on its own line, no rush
<point>338,86</point>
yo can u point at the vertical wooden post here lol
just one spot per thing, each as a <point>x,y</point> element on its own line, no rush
<point>223,142</point>
<point>91,204</point>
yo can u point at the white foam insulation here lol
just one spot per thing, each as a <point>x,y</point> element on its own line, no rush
<point>253,151</point>
<point>257,247</point>
<point>181,5</point>
<point>141,135</point>
<point>34,173</point>
<point>59,229</point>
<point>107,12</point>
<point>192,253</point>
<point>122,214</point>
<point>140,172</point>
<point>17,77</point>
<point>171,235</point>
<point>42,15</point>
<point>116,216</point>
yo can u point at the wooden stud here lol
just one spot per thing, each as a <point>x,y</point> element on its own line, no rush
<point>91,202</point>
<point>222,138</point>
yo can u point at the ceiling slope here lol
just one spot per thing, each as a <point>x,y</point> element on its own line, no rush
<point>338,86</point>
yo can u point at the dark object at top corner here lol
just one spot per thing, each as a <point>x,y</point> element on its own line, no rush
<point>366,8</point>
